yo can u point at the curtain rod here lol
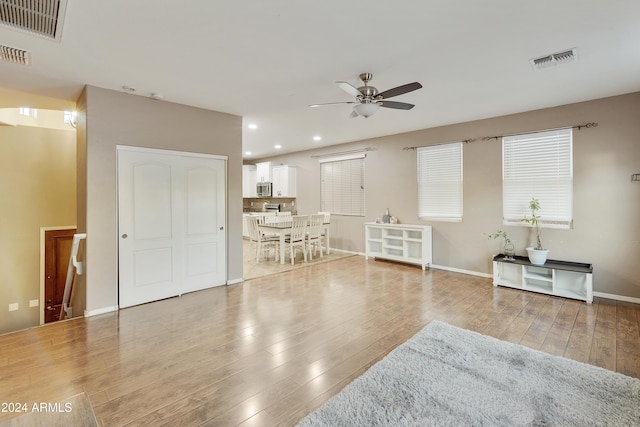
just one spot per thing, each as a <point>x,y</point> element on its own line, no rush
<point>342,153</point>
<point>487,138</point>
<point>579,127</point>
<point>466,141</point>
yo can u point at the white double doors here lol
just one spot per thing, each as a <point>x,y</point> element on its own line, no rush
<point>171,223</point>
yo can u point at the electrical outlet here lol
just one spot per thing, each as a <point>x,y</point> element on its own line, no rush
<point>34,303</point>
<point>14,306</point>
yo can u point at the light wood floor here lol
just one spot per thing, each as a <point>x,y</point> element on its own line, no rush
<point>270,350</point>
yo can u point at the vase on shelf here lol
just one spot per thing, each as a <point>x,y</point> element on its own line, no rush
<point>509,251</point>
<point>386,218</point>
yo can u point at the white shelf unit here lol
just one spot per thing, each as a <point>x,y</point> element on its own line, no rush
<point>399,242</point>
<point>560,278</point>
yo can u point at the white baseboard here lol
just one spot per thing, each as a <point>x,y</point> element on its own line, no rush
<point>89,313</point>
<point>234,281</point>
<point>617,297</point>
<point>460,270</point>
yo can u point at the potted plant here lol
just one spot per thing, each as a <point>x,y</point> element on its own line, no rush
<point>508,248</point>
<point>537,254</point>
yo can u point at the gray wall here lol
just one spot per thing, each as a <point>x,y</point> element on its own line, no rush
<point>110,118</point>
<point>606,203</point>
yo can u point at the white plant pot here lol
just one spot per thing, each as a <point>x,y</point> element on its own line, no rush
<point>537,256</point>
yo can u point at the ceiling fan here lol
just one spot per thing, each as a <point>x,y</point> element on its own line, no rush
<point>368,99</point>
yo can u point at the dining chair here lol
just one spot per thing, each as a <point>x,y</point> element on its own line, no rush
<point>314,236</point>
<point>297,236</point>
<point>259,239</point>
<point>323,236</point>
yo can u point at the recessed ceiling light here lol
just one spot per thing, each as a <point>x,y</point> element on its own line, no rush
<point>277,146</point>
<point>317,138</point>
<point>247,153</point>
<point>252,126</point>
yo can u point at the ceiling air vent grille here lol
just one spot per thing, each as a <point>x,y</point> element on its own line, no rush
<point>553,59</point>
<point>14,55</point>
<point>40,17</point>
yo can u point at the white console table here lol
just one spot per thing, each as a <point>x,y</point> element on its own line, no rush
<point>560,278</point>
<point>399,242</point>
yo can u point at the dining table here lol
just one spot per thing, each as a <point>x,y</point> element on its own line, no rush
<point>282,228</point>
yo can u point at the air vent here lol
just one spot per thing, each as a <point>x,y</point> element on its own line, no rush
<point>14,55</point>
<point>553,59</point>
<point>40,17</point>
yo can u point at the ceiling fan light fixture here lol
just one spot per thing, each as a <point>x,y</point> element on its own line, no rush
<point>367,109</point>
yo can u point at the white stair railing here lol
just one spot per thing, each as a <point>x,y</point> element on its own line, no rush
<point>79,267</point>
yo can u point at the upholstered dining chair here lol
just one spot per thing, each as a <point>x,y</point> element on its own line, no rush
<point>297,236</point>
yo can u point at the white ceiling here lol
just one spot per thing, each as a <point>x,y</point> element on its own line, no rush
<point>268,60</point>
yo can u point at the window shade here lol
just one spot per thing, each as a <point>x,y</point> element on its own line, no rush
<point>440,182</point>
<point>538,165</point>
<point>342,186</point>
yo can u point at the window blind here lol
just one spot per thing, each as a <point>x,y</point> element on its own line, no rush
<point>342,186</point>
<point>440,182</point>
<point>538,165</point>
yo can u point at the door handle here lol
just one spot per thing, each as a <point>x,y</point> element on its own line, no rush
<point>124,236</point>
<point>222,228</point>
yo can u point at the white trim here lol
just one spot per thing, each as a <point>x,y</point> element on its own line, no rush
<point>235,281</point>
<point>460,270</point>
<point>169,152</point>
<point>103,310</point>
<point>617,297</point>
<point>43,230</point>
<point>343,157</point>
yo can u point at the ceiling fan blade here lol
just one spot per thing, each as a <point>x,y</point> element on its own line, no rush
<point>409,87</point>
<point>331,103</point>
<point>396,105</point>
<point>349,88</point>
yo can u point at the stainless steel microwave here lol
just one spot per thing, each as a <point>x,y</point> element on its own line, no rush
<point>264,189</point>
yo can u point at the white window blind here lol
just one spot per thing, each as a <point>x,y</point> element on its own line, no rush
<point>538,165</point>
<point>440,182</point>
<point>342,186</point>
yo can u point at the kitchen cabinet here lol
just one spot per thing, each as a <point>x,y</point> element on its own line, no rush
<point>264,172</point>
<point>284,181</point>
<point>249,180</point>
<point>399,242</point>
<point>561,278</point>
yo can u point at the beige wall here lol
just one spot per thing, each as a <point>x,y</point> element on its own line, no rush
<point>606,229</point>
<point>37,189</point>
<point>110,118</point>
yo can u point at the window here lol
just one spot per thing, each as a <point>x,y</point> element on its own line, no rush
<point>440,182</point>
<point>29,112</point>
<point>70,118</point>
<point>342,185</point>
<point>538,165</point>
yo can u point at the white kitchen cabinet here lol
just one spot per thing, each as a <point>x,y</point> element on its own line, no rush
<point>264,172</point>
<point>560,278</point>
<point>284,181</point>
<point>399,242</point>
<point>249,176</point>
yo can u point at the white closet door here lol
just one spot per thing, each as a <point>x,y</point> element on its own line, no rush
<point>171,211</point>
<point>204,234</point>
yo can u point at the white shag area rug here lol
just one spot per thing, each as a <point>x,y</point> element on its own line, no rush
<point>447,376</point>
